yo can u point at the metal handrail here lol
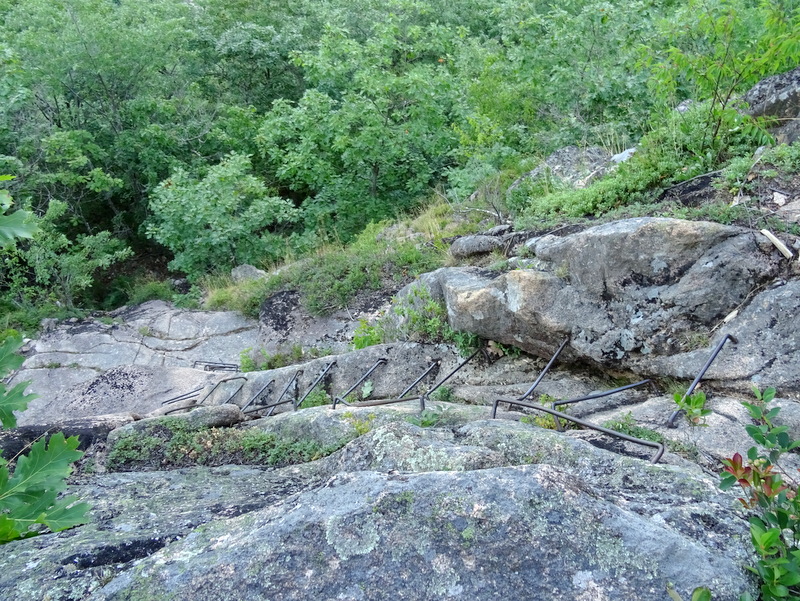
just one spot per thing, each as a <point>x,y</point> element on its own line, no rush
<point>322,374</point>
<point>341,398</point>
<point>591,397</point>
<point>717,350</point>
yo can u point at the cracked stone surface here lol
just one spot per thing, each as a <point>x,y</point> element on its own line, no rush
<point>131,362</point>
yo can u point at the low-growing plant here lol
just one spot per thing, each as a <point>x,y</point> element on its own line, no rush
<point>545,420</point>
<point>171,443</point>
<point>362,426</point>
<point>427,418</point>
<point>443,394</point>
<point>316,398</point>
<point>367,334</point>
<point>772,495</point>
<point>627,425</point>
<point>262,360</point>
<point>693,407</point>
<point>424,319</point>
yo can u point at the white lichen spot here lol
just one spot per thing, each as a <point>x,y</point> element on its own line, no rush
<point>351,535</point>
<point>658,265</point>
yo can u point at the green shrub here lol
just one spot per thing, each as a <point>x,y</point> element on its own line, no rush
<point>143,291</point>
<point>317,398</point>
<point>771,498</point>
<point>231,221</point>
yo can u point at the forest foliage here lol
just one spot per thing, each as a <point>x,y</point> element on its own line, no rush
<point>219,132</point>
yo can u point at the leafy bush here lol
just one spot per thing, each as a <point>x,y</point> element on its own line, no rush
<point>773,495</point>
<point>223,219</point>
<point>52,267</point>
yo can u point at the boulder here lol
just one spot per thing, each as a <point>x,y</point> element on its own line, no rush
<point>643,295</point>
<point>471,508</point>
<point>197,419</point>
<point>565,530</point>
<point>245,273</point>
<point>89,430</point>
<point>468,246</point>
<point>778,96</point>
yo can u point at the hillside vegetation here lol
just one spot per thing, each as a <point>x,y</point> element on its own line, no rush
<point>212,133</point>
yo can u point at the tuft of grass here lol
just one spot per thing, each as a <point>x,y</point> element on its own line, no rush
<point>331,278</point>
<point>171,444</point>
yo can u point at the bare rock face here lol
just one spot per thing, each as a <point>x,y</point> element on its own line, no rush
<point>520,513</point>
<point>778,96</point>
<point>129,361</point>
<point>648,295</point>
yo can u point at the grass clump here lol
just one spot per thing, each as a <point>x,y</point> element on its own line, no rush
<point>545,420</point>
<point>331,278</point>
<point>170,443</point>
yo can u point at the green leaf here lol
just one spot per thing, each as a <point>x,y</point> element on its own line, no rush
<point>701,593</point>
<point>29,497</point>
<point>13,400</point>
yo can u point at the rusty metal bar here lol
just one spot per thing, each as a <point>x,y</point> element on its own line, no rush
<point>590,397</point>
<point>341,398</point>
<point>451,374</point>
<point>216,366</point>
<point>671,421</point>
<point>322,374</point>
<point>544,371</point>
<point>183,397</point>
<point>558,414</point>
<point>279,400</point>
<point>409,388</point>
<point>256,395</point>
<point>230,398</point>
<point>424,396</point>
<point>538,379</point>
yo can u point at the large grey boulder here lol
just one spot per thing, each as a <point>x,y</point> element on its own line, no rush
<point>468,246</point>
<point>646,294</point>
<point>778,96</point>
<point>517,511</point>
<point>532,532</point>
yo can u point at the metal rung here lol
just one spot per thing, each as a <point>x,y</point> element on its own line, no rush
<point>319,379</point>
<point>690,390</point>
<point>596,395</point>
<point>183,397</point>
<point>424,396</point>
<point>216,366</point>
<point>279,401</point>
<point>542,374</point>
<point>217,385</point>
<point>255,396</point>
<point>558,414</point>
<point>341,399</point>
